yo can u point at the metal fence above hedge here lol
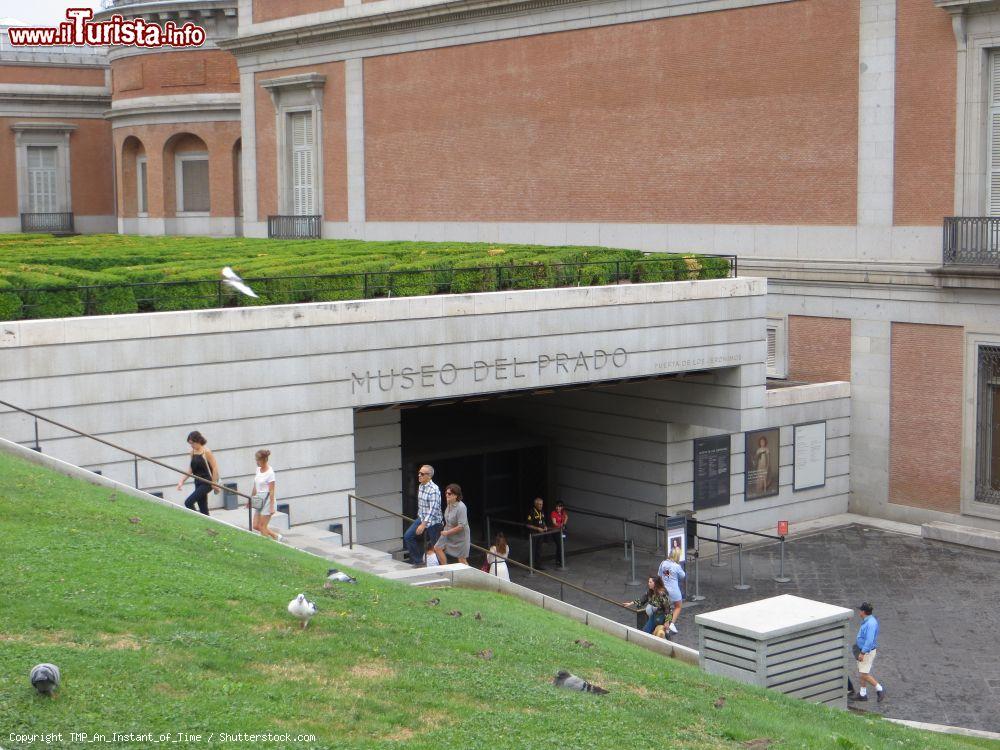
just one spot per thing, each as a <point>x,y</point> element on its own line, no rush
<point>109,299</point>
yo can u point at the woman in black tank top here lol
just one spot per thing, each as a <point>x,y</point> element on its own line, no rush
<point>203,467</point>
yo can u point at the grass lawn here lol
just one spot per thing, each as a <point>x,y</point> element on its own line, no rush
<point>41,276</point>
<point>163,622</point>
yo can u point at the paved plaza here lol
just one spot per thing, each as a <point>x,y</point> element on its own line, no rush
<point>936,603</point>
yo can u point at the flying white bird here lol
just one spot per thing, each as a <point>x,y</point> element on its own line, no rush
<point>230,278</point>
<point>45,678</point>
<point>302,608</point>
<point>340,576</point>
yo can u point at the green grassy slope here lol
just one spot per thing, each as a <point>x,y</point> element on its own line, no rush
<point>163,623</point>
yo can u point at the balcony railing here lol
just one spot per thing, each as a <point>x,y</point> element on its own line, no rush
<point>54,223</point>
<point>972,240</point>
<point>294,227</point>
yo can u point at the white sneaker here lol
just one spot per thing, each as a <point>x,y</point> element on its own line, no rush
<point>280,538</point>
<point>673,628</point>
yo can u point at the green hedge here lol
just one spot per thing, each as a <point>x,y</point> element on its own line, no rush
<point>182,273</point>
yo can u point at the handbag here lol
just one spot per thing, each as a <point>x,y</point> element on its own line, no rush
<point>856,650</point>
<point>485,567</point>
<point>259,500</point>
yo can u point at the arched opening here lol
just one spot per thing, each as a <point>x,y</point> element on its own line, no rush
<point>186,189</point>
<point>135,178</point>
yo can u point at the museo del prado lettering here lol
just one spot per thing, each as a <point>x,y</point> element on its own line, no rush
<point>478,371</point>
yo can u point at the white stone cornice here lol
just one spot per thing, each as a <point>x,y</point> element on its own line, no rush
<point>24,100</point>
<point>387,16</point>
<point>54,91</point>
<point>147,110</point>
<point>48,127</point>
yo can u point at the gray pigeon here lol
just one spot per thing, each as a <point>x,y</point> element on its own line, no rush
<point>45,678</point>
<point>340,576</point>
<point>571,682</point>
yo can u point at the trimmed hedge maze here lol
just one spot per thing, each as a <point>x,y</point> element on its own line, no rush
<point>47,277</point>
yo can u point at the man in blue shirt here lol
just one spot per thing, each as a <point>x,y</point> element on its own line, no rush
<point>429,520</point>
<point>864,650</point>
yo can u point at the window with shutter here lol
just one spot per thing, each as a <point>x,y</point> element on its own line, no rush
<point>776,364</point>
<point>993,208</point>
<point>194,185</point>
<point>302,158</point>
<point>42,195</point>
<point>142,186</point>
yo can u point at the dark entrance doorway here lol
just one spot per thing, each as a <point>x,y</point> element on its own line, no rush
<point>499,468</point>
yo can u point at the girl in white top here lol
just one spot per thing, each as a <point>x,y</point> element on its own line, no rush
<point>497,557</point>
<point>263,495</point>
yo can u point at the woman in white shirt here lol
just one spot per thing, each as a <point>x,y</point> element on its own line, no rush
<point>263,496</point>
<point>497,557</point>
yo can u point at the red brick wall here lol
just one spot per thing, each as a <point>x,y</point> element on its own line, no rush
<point>91,167</point>
<point>743,116</point>
<point>51,76</point>
<point>819,349</point>
<point>925,461</point>
<point>8,177</point>
<point>175,73</point>
<point>925,114</point>
<point>161,143</point>
<point>268,10</point>
<point>334,142</point>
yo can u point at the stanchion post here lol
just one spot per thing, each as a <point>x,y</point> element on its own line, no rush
<point>561,538</point>
<point>633,581</point>
<point>350,521</point>
<point>489,537</point>
<point>38,448</point>
<point>531,555</point>
<point>135,469</point>
<point>697,596</point>
<point>625,536</point>
<point>718,547</point>
<point>781,577</point>
<point>741,586</point>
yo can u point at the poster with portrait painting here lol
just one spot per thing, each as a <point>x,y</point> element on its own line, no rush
<point>677,543</point>
<point>763,454</point>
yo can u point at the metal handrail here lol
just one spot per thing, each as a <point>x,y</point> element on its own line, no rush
<point>370,284</point>
<point>135,454</point>
<point>351,497</point>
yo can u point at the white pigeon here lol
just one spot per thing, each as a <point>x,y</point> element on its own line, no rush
<point>230,278</point>
<point>45,678</point>
<point>340,576</point>
<point>302,608</point>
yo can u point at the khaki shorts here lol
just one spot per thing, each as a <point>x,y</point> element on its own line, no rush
<point>865,665</point>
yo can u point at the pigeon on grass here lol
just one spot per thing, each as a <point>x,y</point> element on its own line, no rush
<point>45,678</point>
<point>302,608</point>
<point>571,682</point>
<point>339,576</point>
<point>230,278</point>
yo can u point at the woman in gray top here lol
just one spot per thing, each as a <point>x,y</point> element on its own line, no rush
<point>455,538</point>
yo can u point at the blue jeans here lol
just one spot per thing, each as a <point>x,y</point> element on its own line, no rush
<point>658,618</point>
<point>415,548</point>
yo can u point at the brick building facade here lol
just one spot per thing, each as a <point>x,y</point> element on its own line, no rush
<point>824,142</point>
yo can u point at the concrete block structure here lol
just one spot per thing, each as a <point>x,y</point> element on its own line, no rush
<point>843,149</point>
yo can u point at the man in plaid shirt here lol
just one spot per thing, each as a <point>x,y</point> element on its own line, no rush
<point>429,518</point>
